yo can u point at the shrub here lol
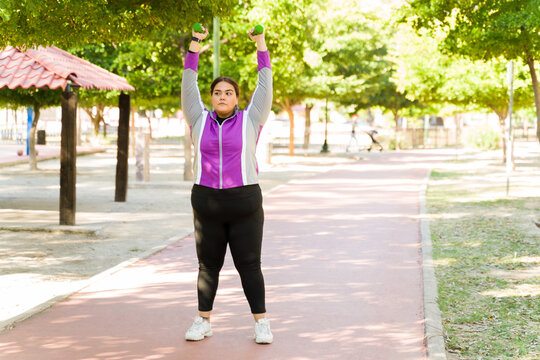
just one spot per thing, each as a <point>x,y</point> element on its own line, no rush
<point>484,139</point>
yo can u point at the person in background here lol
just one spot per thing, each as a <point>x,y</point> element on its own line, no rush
<point>354,120</point>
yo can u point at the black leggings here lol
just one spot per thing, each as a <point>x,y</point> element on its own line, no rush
<point>234,216</point>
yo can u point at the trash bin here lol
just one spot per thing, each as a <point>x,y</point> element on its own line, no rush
<point>41,137</point>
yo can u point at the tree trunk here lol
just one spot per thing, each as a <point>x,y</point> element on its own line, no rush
<point>188,167</point>
<point>90,114</point>
<point>150,126</point>
<point>307,128</point>
<point>502,113</point>
<point>536,89</point>
<point>122,154</point>
<point>370,117</point>
<point>68,159</point>
<point>132,130</point>
<point>96,119</point>
<point>290,112</point>
<point>459,129</point>
<point>504,130</point>
<point>502,124</point>
<point>32,140</point>
<point>396,132</point>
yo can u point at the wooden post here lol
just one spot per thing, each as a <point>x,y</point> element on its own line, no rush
<point>132,131</point>
<point>139,156</point>
<point>142,157</point>
<point>123,148</point>
<point>147,141</point>
<point>270,150</point>
<point>68,158</point>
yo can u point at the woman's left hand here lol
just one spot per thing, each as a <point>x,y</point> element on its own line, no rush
<point>255,37</point>
<point>259,39</point>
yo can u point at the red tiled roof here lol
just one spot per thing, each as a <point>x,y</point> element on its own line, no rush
<point>51,67</point>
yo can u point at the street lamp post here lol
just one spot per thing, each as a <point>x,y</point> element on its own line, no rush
<point>508,135</point>
<point>216,47</point>
<point>324,149</point>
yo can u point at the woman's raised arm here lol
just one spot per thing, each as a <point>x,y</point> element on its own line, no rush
<point>261,102</point>
<point>192,104</point>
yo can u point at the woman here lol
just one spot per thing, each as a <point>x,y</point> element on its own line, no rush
<point>226,197</point>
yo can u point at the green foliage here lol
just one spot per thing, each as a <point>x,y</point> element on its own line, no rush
<point>29,97</point>
<point>347,56</point>
<point>349,59</point>
<point>151,66</point>
<point>484,139</point>
<point>69,23</point>
<point>482,29</point>
<point>285,34</point>
<point>437,79</point>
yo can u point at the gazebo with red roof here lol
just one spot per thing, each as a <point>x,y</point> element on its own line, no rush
<point>51,67</point>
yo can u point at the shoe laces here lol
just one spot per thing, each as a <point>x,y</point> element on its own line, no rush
<point>263,327</point>
<point>198,324</point>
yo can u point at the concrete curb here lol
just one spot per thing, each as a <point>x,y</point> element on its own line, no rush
<point>61,229</point>
<point>12,322</point>
<point>52,157</point>
<point>434,332</point>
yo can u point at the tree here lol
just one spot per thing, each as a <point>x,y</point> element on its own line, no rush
<point>355,67</point>
<point>35,98</point>
<point>71,23</point>
<point>485,30</point>
<point>483,85</point>
<point>389,97</point>
<point>436,79</point>
<point>346,55</point>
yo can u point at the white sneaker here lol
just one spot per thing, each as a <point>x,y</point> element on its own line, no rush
<point>199,330</point>
<point>263,335</point>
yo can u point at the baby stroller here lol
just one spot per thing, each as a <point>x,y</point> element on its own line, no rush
<point>374,142</point>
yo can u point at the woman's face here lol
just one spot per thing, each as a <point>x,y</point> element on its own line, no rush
<point>224,99</point>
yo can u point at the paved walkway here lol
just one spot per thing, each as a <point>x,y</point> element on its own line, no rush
<point>342,265</point>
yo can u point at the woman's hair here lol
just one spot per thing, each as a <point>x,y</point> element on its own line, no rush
<point>226,79</point>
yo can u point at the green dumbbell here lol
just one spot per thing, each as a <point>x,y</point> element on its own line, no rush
<point>197,27</point>
<point>259,29</point>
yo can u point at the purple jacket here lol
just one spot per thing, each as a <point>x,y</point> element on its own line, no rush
<point>225,154</point>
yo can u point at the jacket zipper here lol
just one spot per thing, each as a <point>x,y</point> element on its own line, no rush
<point>220,158</point>
<point>221,149</point>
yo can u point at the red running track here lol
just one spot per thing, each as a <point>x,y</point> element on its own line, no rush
<point>342,264</point>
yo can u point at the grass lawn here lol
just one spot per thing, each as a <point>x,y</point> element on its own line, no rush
<point>486,250</point>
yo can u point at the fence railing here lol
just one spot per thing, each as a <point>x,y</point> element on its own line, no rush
<point>10,136</point>
<point>525,133</point>
<point>430,138</point>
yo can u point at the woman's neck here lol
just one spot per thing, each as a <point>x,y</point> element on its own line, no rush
<point>224,116</point>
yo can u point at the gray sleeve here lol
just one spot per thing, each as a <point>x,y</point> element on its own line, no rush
<point>261,102</point>
<point>192,105</point>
